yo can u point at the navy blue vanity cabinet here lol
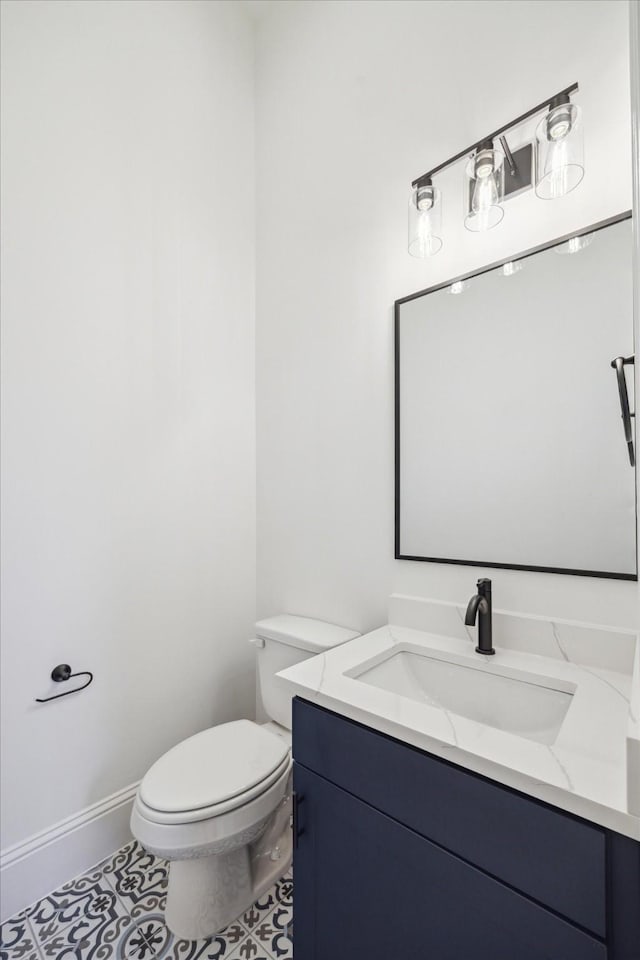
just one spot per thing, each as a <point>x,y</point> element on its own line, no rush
<point>400,854</point>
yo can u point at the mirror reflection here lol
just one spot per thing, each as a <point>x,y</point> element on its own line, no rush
<point>511,446</point>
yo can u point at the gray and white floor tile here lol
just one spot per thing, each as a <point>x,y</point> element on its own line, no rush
<point>116,912</point>
<point>16,940</point>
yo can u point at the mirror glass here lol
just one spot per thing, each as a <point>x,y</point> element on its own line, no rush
<point>510,444</point>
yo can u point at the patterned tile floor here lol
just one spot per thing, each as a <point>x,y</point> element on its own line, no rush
<point>116,913</point>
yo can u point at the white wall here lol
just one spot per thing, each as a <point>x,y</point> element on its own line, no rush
<point>128,389</point>
<point>354,100</point>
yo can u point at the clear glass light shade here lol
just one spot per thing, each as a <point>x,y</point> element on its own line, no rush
<point>425,221</point>
<point>484,188</point>
<point>559,152</point>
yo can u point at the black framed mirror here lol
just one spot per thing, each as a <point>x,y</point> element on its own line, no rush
<point>514,447</point>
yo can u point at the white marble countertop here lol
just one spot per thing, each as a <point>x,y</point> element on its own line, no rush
<point>584,771</point>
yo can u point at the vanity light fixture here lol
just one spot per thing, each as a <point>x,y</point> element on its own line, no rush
<point>553,164</point>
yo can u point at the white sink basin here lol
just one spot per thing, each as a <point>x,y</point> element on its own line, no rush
<point>522,703</point>
<point>555,713</point>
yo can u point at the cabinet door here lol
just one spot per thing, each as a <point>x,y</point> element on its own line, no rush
<point>546,854</point>
<point>368,888</point>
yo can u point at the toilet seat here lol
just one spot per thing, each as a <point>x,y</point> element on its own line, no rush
<point>213,772</point>
<point>214,809</point>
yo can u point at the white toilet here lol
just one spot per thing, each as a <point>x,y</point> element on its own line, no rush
<point>218,805</point>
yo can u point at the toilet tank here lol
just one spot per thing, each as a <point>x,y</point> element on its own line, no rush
<point>281,642</point>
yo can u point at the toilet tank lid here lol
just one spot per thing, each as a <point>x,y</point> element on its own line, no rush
<point>316,636</point>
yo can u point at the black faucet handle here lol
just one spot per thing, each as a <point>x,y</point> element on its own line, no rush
<point>484,586</point>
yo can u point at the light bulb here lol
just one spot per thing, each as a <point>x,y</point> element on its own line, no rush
<point>559,122</point>
<point>425,220</point>
<point>424,198</point>
<point>483,166</point>
<point>427,242</point>
<point>484,200</point>
<point>485,194</point>
<point>483,180</point>
<point>558,170</point>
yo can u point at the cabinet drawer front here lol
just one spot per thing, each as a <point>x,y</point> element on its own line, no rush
<point>368,887</point>
<point>548,855</point>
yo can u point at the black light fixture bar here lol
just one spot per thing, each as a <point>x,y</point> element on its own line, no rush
<point>492,136</point>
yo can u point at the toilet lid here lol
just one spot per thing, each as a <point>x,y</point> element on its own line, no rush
<point>212,766</point>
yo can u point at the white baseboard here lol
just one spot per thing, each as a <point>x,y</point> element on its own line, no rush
<point>33,868</point>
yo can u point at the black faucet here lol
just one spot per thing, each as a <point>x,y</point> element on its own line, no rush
<point>481,602</point>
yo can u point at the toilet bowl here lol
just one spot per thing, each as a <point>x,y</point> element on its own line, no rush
<point>204,807</point>
<point>217,806</point>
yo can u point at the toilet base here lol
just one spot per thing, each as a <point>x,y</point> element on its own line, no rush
<point>205,894</point>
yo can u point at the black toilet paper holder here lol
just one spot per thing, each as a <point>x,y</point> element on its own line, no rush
<point>61,673</point>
